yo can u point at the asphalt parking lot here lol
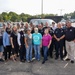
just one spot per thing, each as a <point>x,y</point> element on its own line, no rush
<point>51,67</point>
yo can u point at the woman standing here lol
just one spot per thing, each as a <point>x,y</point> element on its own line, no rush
<point>14,43</point>
<point>37,42</point>
<point>6,43</point>
<point>28,44</point>
<point>46,42</point>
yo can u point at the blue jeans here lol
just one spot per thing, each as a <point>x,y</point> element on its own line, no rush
<point>45,50</point>
<point>1,48</point>
<point>29,53</point>
<point>37,51</point>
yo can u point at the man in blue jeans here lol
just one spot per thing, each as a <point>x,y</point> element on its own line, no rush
<point>37,42</point>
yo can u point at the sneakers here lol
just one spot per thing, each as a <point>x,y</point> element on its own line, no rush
<point>43,62</point>
<point>56,58</point>
<point>22,61</point>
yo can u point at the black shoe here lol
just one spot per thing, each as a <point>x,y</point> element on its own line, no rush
<point>72,61</point>
<point>43,62</point>
<point>22,61</point>
<point>62,59</point>
<point>46,59</point>
<point>56,58</point>
<point>64,56</point>
<point>1,60</point>
<point>67,59</point>
<point>51,56</point>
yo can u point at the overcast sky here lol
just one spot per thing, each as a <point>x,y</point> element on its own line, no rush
<point>33,7</point>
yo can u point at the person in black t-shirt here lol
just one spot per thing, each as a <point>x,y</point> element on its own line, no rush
<point>40,29</point>
<point>46,26</point>
<point>14,43</point>
<point>70,41</point>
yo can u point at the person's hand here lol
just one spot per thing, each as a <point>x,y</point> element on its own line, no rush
<point>19,46</point>
<point>40,46</point>
<point>12,46</point>
<point>74,40</point>
<point>48,46</point>
<point>58,39</point>
<point>26,46</point>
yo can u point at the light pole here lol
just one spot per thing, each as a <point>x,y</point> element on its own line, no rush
<point>41,8</point>
<point>61,11</point>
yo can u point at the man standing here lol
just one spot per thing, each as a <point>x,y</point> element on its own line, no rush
<point>70,41</point>
<point>59,36</point>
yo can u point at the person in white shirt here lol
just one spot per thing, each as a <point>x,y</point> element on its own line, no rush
<point>21,44</point>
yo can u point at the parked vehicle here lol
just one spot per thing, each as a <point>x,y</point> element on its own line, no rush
<point>72,20</point>
<point>63,21</point>
<point>39,21</point>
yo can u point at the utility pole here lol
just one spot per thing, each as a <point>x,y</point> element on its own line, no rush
<point>41,8</point>
<point>61,11</point>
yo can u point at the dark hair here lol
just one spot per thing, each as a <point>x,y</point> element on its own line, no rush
<point>53,22</point>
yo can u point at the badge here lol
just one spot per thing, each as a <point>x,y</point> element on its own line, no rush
<point>56,32</point>
<point>70,30</point>
<point>62,31</point>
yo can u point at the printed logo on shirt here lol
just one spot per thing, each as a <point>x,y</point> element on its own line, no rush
<point>36,38</point>
<point>70,30</point>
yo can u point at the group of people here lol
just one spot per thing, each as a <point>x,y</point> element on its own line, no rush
<point>28,41</point>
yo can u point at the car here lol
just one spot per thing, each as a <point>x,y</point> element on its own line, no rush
<point>63,21</point>
<point>39,21</point>
<point>72,20</point>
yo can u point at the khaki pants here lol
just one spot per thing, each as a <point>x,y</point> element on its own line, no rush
<point>70,48</point>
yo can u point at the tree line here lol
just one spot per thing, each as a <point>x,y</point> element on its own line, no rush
<point>12,16</point>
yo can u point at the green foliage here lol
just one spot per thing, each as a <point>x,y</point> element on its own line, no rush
<point>70,14</point>
<point>12,16</point>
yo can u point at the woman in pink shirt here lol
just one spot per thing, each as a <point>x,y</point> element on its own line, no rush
<point>46,42</point>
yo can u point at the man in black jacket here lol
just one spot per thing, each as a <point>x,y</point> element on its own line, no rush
<point>70,41</point>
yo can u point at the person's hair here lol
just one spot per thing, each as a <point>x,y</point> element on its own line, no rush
<point>14,26</point>
<point>53,22</point>
<point>46,30</point>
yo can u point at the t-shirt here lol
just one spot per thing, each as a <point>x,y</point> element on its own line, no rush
<point>14,37</point>
<point>37,38</point>
<point>46,39</point>
<point>70,34</point>
<point>29,39</point>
